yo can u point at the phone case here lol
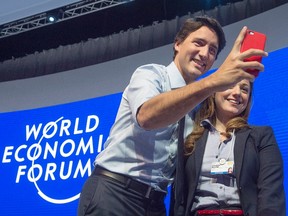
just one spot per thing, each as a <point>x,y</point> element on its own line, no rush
<point>255,40</point>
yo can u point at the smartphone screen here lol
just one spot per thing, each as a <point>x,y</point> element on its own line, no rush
<point>255,40</point>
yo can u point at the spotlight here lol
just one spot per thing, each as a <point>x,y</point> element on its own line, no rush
<point>51,18</point>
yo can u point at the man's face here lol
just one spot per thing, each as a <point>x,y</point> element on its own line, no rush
<point>196,54</point>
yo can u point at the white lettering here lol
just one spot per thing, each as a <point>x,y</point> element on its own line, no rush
<point>51,128</point>
<point>50,169</point>
<point>76,127</point>
<point>20,172</point>
<point>17,158</point>
<point>90,128</point>
<point>49,149</point>
<point>31,173</point>
<point>82,170</point>
<point>7,153</point>
<point>85,147</point>
<point>69,153</point>
<point>62,176</point>
<point>33,130</point>
<point>100,143</point>
<point>53,172</point>
<point>65,124</point>
<point>48,127</point>
<point>37,152</point>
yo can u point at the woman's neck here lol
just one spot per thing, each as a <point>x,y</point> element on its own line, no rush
<point>220,126</point>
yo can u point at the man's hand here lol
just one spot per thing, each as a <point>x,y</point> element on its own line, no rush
<point>234,67</point>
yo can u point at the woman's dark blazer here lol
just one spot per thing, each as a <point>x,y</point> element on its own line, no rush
<point>258,169</point>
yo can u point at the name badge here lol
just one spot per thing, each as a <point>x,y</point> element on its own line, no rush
<point>222,167</point>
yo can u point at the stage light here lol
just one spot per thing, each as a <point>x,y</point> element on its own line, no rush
<point>59,14</point>
<point>51,18</point>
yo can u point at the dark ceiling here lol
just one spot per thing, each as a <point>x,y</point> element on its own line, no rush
<point>97,24</point>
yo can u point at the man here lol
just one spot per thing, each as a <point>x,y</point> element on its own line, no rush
<point>132,173</point>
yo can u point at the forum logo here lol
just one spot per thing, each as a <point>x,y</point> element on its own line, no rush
<point>56,154</point>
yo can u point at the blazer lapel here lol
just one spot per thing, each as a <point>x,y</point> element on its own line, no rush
<point>239,148</point>
<point>199,152</point>
<point>197,163</point>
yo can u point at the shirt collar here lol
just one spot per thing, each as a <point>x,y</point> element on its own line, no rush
<point>176,79</point>
<point>206,123</point>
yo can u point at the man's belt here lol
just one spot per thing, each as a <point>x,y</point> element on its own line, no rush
<point>220,212</point>
<point>129,183</point>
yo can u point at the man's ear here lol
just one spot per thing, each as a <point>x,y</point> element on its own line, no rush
<point>176,46</point>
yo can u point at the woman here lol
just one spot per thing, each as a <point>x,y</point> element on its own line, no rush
<point>232,168</point>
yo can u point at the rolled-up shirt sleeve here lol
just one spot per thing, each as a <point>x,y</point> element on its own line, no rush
<point>145,84</point>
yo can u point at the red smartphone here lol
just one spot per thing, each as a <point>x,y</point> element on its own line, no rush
<point>255,40</point>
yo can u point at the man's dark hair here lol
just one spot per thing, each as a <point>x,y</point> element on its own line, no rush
<point>193,24</point>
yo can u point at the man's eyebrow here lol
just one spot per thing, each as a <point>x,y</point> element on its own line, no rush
<point>205,41</point>
<point>245,85</point>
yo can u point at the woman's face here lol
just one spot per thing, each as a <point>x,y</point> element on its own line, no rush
<point>233,101</point>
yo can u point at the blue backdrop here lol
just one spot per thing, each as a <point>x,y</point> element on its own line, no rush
<point>48,153</point>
